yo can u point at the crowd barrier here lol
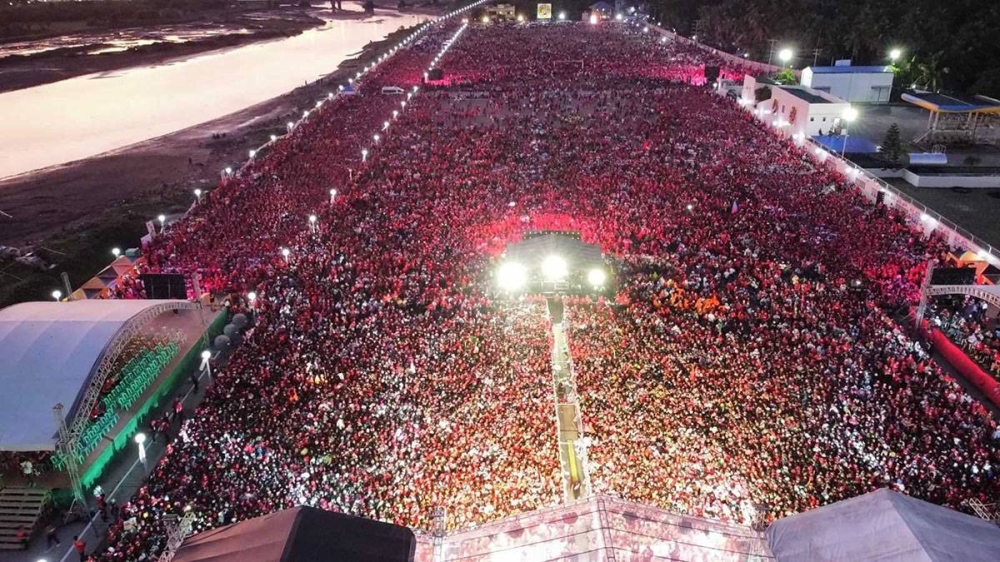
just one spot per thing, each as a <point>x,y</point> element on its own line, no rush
<point>966,367</point>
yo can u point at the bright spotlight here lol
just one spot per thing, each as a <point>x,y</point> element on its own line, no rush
<point>512,276</point>
<point>593,19</point>
<point>785,55</point>
<point>596,277</point>
<point>554,268</point>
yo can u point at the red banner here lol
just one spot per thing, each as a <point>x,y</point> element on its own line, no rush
<point>966,367</point>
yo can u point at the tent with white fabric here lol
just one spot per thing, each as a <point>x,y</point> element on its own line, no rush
<point>887,526</point>
<point>52,351</point>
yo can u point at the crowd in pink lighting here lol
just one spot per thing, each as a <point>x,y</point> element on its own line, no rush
<point>746,362</point>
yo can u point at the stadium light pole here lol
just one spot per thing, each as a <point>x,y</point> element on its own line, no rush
<point>312,223</point>
<point>140,440</point>
<point>197,195</point>
<point>285,253</point>
<point>163,223</point>
<point>364,154</point>
<point>116,252</point>
<point>57,294</point>
<point>206,363</point>
<point>785,56</point>
<point>850,114</point>
<point>252,299</point>
<point>333,196</point>
<point>894,54</point>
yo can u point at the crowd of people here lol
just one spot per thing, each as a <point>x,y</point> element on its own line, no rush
<point>967,322</point>
<point>746,362</point>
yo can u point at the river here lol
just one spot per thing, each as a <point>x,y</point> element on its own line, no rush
<point>81,117</point>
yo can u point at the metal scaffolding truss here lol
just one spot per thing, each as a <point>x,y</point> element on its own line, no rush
<point>69,438</point>
<point>988,293</point>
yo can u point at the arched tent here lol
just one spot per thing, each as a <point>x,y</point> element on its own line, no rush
<point>886,526</point>
<point>54,353</point>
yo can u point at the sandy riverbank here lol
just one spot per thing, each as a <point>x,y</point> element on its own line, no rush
<point>24,64</point>
<point>72,215</point>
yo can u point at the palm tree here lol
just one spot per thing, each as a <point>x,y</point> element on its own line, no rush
<point>928,72</point>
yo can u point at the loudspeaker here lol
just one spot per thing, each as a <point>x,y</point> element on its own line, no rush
<point>164,285</point>
<point>435,74</point>
<point>880,198</point>
<point>711,73</point>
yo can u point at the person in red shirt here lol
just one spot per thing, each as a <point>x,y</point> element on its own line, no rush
<point>81,547</point>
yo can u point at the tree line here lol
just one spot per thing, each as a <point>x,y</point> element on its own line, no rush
<point>950,46</point>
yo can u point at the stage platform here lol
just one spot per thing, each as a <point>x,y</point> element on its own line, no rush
<point>598,529</point>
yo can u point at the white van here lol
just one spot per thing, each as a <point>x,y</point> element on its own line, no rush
<point>392,91</point>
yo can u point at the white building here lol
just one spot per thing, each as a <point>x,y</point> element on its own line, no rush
<point>797,111</point>
<point>856,84</point>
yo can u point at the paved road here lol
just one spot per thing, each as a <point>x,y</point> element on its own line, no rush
<point>121,481</point>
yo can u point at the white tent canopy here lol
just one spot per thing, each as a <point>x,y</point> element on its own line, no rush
<point>886,526</point>
<point>50,351</point>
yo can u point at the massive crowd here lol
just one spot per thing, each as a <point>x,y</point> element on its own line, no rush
<point>968,323</point>
<point>745,363</point>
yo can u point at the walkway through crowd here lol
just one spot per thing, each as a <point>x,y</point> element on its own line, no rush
<point>572,443</point>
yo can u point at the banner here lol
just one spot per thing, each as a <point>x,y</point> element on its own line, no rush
<point>545,11</point>
<point>966,367</point>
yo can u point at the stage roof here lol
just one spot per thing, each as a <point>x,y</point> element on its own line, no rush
<point>885,526</point>
<point>50,351</point>
<point>804,94</point>
<point>953,103</point>
<point>301,534</point>
<point>850,69</point>
<point>599,529</point>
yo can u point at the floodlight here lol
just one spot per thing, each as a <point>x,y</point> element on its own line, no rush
<point>596,277</point>
<point>512,276</point>
<point>785,55</point>
<point>850,114</point>
<point>554,268</point>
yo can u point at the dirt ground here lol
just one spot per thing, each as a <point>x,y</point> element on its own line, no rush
<point>71,216</point>
<point>25,71</point>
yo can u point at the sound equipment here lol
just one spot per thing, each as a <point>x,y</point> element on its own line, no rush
<point>711,73</point>
<point>880,198</point>
<point>953,276</point>
<point>164,285</point>
<point>435,74</point>
<point>302,534</point>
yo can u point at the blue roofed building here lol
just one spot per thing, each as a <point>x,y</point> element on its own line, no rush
<point>855,84</point>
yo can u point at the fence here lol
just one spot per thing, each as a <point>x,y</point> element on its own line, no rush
<point>918,214</point>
